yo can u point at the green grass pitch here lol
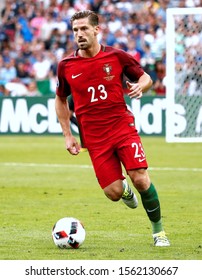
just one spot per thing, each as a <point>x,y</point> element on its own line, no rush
<point>41,183</point>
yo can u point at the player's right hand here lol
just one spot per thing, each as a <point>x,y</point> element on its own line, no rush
<point>72,145</point>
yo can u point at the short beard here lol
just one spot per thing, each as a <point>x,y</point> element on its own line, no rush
<point>83,46</point>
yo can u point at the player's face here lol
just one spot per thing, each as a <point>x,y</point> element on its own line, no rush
<point>84,33</point>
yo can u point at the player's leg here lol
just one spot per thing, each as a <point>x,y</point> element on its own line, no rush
<point>120,189</point>
<point>149,197</point>
<point>134,160</point>
<point>114,190</point>
<point>110,177</point>
<point>151,204</point>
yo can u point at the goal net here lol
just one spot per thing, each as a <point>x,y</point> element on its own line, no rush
<point>184,75</point>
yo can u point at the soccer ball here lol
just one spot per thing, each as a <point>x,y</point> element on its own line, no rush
<point>68,232</point>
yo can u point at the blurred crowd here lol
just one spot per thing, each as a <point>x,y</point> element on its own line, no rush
<point>35,35</point>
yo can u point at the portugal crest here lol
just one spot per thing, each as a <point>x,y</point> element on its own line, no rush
<point>107,68</point>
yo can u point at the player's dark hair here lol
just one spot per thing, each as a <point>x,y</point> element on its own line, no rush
<point>92,16</point>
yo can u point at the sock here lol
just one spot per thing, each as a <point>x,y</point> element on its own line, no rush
<point>151,205</point>
<point>157,227</point>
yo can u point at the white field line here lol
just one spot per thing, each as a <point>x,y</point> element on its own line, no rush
<point>86,166</point>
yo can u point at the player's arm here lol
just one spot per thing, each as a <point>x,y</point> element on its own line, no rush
<point>143,84</point>
<point>63,114</point>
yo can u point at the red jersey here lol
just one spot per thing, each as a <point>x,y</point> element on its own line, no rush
<point>96,86</point>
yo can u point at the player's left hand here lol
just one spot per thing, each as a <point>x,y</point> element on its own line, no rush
<point>135,90</point>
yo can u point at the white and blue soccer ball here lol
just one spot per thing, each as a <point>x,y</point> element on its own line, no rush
<point>68,232</point>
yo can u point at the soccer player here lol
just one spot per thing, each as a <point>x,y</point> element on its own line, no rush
<point>93,75</point>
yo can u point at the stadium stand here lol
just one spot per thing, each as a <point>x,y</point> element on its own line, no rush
<point>35,35</point>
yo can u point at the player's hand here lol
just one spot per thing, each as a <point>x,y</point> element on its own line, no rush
<point>72,145</point>
<point>135,90</point>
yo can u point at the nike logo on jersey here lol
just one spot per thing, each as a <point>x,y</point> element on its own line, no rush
<point>75,76</point>
<point>141,159</point>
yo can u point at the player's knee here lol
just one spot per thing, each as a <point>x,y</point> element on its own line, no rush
<point>141,185</point>
<point>113,192</point>
<point>140,180</point>
<point>113,196</point>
